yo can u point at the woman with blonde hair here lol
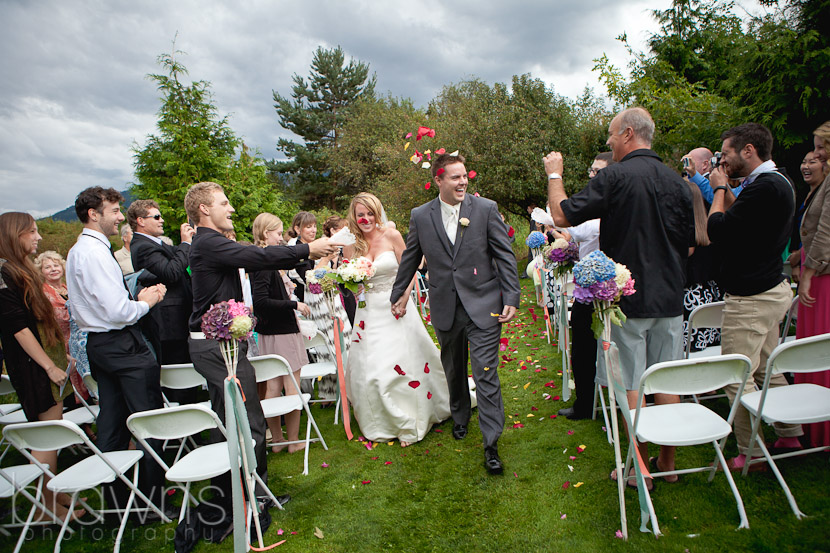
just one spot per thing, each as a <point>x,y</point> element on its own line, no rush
<point>33,344</point>
<point>814,285</point>
<point>395,379</point>
<point>278,330</point>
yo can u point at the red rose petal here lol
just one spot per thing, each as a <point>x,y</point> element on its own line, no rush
<point>440,151</point>
<point>566,485</point>
<point>427,185</point>
<point>399,370</point>
<point>426,368</point>
<point>364,482</point>
<point>471,175</point>
<point>362,325</point>
<point>429,395</point>
<point>439,172</point>
<point>414,384</point>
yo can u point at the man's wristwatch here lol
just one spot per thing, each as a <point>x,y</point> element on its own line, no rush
<point>554,176</point>
<point>724,188</point>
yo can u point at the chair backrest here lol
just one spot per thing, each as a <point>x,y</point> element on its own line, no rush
<point>570,286</point>
<point>694,376</point>
<point>318,342</point>
<point>267,367</point>
<point>181,377</point>
<point>45,435</point>
<point>792,315</point>
<point>90,384</point>
<point>172,423</point>
<point>806,355</point>
<point>708,315</point>
<point>6,385</point>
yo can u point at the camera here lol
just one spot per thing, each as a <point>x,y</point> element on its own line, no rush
<point>715,161</point>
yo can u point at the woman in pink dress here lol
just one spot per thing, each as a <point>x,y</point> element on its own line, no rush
<point>814,285</point>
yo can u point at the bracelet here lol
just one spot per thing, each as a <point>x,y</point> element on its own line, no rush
<point>719,188</point>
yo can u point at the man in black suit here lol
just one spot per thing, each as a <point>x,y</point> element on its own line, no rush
<point>167,329</point>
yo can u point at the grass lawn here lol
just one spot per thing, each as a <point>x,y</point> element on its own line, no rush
<point>437,496</point>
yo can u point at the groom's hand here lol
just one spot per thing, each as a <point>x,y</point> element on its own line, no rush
<point>399,307</point>
<point>507,313</point>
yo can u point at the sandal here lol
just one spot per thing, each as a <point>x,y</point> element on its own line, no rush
<point>652,465</point>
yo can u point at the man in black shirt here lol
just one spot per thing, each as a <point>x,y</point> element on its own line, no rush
<point>647,224</point>
<point>752,232</point>
<point>214,264</point>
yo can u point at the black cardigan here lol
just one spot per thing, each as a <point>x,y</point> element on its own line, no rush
<point>273,308</point>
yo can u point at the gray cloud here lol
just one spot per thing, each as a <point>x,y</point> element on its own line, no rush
<point>74,97</point>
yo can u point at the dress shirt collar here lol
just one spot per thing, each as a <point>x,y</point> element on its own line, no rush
<point>449,210</point>
<point>766,167</point>
<point>155,239</point>
<point>99,236</point>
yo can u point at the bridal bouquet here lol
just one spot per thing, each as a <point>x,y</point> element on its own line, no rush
<point>353,274</point>
<point>602,281</point>
<point>228,322</point>
<point>563,255</point>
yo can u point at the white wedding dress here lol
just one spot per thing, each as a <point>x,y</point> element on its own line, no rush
<point>394,377</point>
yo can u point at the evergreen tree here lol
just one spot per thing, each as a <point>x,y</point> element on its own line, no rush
<point>195,144</point>
<point>316,111</point>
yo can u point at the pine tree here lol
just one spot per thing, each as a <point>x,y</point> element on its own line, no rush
<point>316,111</point>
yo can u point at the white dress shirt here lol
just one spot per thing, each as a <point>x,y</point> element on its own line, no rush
<point>155,239</point>
<point>449,216</point>
<point>587,236</point>
<point>100,302</point>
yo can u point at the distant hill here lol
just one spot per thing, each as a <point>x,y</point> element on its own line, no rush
<point>69,215</point>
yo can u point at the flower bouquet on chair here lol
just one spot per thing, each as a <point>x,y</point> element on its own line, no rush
<point>562,255</point>
<point>229,322</point>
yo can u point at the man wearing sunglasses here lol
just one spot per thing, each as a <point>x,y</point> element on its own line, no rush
<point>167,324</point>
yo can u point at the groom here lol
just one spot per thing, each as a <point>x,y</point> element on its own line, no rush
<point>473,289</point>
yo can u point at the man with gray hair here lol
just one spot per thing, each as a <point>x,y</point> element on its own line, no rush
<point>123,255</point>
<point>647,224</point>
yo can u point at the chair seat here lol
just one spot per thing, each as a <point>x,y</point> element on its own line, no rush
<point>93,471</point>
<point>315,370</point>
<point>276,406</point>
<point>201,463</point>
<point>81,415</point>
<point>14,417</point>
<point>711,351</point>
<point>7,408</point>
<point>794,404</point>
<point>680,424</point>
<point>21,475</point>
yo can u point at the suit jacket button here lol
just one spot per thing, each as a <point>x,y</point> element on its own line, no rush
<point>455,268</point>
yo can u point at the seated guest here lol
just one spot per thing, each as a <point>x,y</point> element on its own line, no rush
<point>215,262</point>
<point>33,343</point>
<point>123,255</point>
<point>278,330</point>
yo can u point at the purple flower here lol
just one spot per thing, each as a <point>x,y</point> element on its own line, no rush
<point>315,288</point>
<point>583,295</point>
<point>606,291</point>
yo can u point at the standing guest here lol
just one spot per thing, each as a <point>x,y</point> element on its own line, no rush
<point>51,266</point>
<point>701,275</point>
<point>166,265</point>
<point>303,231</point>
<point>278,330</point>
<point>467,287</point>
<point>647,224</point>
<point>814,287</point>
<point>215,262</point>
<point>33,343</point>
<point>127,373</point>
<point>751,233</point>
<point>814,170</point>
<point>123,255</point>
<point>697,165</point>
<point>332,225</point>
<point>583,343</point>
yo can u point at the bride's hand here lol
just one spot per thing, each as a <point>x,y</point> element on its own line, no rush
<point>399,307</point>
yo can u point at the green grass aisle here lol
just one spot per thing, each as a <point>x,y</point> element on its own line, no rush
<point>555,494</point>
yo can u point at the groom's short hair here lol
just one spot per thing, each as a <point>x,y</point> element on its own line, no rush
<point>442,160</point>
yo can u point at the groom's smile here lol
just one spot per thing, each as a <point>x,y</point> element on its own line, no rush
<point>452,184</point>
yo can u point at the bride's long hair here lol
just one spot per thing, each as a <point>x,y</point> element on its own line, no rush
<point>373,204</point>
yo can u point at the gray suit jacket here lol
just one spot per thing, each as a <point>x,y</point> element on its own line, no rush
<point>480,268</point>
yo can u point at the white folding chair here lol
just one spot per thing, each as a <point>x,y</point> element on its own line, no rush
<point>201,463</point>
<point>273,366</point>
<point>89,473</point>
<point>181,377</point>
<point>6,388</point>
<point>14,482</point>
<point>708,315</point>
<point>792,316</point>
<point>794,404</point>
<point>317,370</point>
<point>684,424</point>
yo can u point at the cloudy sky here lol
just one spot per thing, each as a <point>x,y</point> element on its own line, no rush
<point>74,97</point>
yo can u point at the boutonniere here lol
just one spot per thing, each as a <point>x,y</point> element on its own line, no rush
<point>464,222</point>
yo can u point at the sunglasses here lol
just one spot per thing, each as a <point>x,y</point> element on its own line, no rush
<point>157,216</point>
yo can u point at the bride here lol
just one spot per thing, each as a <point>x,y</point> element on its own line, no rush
<point>394,375</point>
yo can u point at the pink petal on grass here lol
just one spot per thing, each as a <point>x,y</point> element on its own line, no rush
<point>280,532</point>
<point>364,482</point>
<point>325,465</point>
<point>618,534</point>
<point>563,517</point>
<point>388,463</point>
<point>570,432</point>
<point>566,485</point>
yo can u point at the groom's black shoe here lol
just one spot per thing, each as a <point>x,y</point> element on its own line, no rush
<point>492,461</point>
<point>573,414</point>
<point>459,431</point>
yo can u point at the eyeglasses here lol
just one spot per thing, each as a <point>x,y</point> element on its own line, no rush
<point>157,216</point>
<point>592,172</point>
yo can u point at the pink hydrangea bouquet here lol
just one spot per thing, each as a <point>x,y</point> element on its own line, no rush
<point>562,254</point>
<point>601,281</point>
<point>228,322</point>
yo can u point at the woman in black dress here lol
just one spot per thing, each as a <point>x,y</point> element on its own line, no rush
<point>33,344</point>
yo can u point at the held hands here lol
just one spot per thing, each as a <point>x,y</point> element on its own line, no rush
<point>507,313</point>
<point>322,247</point>
<point>399,307</point>
<point>153,294</point>
<point>554,163</point>
<point>187,232</point>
